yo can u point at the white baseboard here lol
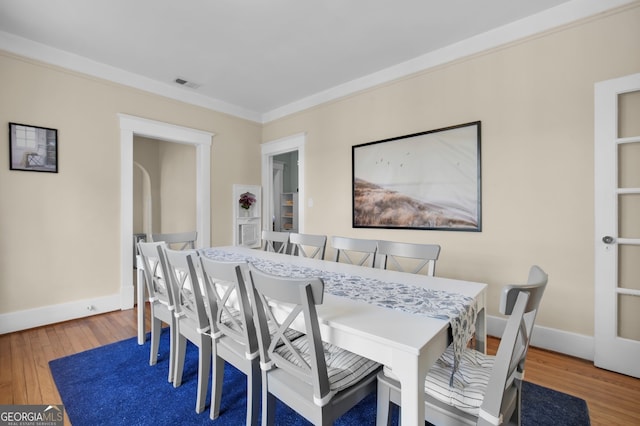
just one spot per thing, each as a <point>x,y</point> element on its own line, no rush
<point>565,342</point>
<point>30,318</point>
<point>573,344</point>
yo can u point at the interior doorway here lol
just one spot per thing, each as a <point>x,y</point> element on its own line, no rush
<point>278,187</point>
<point>164,187</point>
<point>130,126</point>
<point>285,192</point>
<point>283,186</point>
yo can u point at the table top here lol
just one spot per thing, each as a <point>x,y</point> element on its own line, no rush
<point>360,318</point>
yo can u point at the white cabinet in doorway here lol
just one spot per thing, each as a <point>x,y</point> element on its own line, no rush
<point>247,214</point>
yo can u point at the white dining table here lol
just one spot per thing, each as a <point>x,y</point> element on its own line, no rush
<point>406,342</point>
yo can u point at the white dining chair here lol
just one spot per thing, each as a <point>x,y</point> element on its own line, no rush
<point>408,257</point>
<point>318,380</point>
<point>308,245</point>
<point>275,241</point>
<point>192,321</point>
<point>160,301</point>
<point>178,240</point>
<point>355,251</point>
<point>486,390</point>
<point>535,286</point>
<point>233,331</point>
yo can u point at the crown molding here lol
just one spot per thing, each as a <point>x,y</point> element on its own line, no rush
<point>552,18</point>
<point>563,14</point>
<point>50,55</point>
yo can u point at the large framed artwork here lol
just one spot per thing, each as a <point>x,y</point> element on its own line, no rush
<point>428,180</point>
<point>33,148</point>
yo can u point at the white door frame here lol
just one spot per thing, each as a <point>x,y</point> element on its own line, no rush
<point>130,126</point>
<point>278,177</point>
<point>147,209</point>
<point>610,351</point>
<point>280,146</point>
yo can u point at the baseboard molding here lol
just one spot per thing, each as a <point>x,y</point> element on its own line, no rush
<point>30,318</point>
<point>565,342</point>
<point>573,344</point>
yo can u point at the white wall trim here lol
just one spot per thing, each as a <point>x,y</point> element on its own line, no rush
<point>61,58</point>
<point>130,126</point>
<point>563,14</point>
<point>280,146</point>
<point>30,318</point>
<point>565,342</point>
<point>568,343</point>
<point>557,16</point>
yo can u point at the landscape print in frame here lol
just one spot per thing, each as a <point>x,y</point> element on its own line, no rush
<point>428,180</point>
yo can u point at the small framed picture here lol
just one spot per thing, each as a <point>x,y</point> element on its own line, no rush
<point>33,148</point>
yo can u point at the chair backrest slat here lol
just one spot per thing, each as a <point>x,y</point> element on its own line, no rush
<point>185,285</point>
<point>178,240</point>
<point>155,279</point>
<point>398,253</point>
<point>303,294</point>
<point>354,250</point>
<point>308,245</point>
<point>535,287</point>
<point>275,241</point>
<point>502,379</point>
<point>230,311</point>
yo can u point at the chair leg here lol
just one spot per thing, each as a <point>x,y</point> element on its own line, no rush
<point>268,404</point>
<point>204,366</point>
<point>217,377</point>
<point>181,347</point>
<point>516,417</point>
<point>253,394</point>
<point>156,329</point>
<point>172,351</point>
<point>383,417</point>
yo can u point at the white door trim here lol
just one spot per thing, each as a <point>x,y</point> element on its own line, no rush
<point>280,146</point>
<point>130,126</point>
<point>278,173</point>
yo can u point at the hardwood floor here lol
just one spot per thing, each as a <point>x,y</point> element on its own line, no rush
<point>613,399</point>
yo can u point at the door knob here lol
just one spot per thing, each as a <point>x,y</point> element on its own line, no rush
<point>607,239</point>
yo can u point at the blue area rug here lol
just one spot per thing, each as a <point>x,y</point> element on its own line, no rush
<point>114,385</point>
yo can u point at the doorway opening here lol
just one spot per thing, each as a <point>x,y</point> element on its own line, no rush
<point>164,187</point>
<point>283,184</point>
<point>285,192</point>
<point>130,126</point>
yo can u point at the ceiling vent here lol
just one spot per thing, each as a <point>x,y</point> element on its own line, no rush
<point>186,83</point>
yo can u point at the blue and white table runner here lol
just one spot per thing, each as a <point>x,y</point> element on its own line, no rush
<point>459,310</point>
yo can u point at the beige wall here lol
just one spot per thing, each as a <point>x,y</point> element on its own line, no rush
<point>146,152</point>
<point>60,232</point>
<point>172,172</point>
<point>535,101</point>
<point>178,187</point>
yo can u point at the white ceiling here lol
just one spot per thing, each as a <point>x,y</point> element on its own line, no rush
<point>262,59</point>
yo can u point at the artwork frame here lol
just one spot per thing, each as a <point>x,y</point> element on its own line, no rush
<point>33,148</point>
<point>429,181</point>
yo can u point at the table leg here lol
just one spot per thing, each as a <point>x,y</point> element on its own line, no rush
<point>481,331</point>
<point>411,399</point>
<point>411,371</point>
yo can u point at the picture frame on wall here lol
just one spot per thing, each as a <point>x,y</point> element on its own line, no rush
<point>33,148</point>
<point>429,180</point>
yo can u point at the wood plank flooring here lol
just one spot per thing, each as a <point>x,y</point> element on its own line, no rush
<point>613,399</point>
